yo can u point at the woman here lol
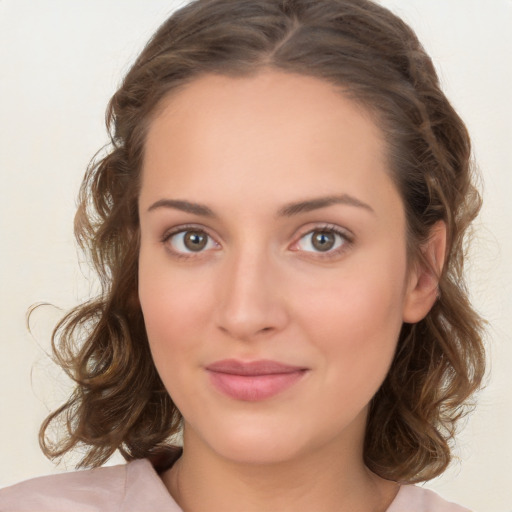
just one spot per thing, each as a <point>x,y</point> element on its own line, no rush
<point>278,228</point>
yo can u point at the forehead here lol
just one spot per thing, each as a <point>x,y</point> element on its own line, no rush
<point>271,134</point>
<point>269,98</point>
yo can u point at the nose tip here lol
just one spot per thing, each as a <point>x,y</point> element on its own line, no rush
<point>247,316</point>
<point>251,303</point>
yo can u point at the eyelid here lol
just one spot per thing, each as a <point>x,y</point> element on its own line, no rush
<point>344,233</point>
<point>326,226</point>
<point>184,228</point>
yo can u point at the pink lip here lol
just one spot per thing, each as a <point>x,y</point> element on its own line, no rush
<point>255,380</point>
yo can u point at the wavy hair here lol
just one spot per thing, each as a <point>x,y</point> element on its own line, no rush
<point>119,401</point>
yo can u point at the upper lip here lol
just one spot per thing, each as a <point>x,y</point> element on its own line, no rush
<point>252,368</point>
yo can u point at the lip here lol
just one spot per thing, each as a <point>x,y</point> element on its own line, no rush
<point>254,380</point>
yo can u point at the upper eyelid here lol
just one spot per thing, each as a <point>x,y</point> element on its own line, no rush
<point>169,233</point>
<point>329,255</point>
<point>305,230</point>
<point>185,227</point>
<point>312,226</point>
<point>328,227</point>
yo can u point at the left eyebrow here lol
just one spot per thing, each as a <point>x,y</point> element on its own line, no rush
<point>321,202</point>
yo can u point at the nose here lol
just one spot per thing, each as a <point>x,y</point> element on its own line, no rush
<point>251,301</point>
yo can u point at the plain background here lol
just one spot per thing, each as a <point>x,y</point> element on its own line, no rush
<point>61,60</point>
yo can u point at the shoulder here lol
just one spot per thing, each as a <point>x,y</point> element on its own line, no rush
<point>417,499</point>
<point>128,487</point>
<point>81,491</point>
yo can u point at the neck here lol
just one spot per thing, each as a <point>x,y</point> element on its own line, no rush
<point>331,478</point>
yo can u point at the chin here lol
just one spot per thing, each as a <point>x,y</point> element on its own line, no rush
<point>257,451</point>
<point>261,443</point>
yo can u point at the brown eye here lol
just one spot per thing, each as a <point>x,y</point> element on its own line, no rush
<point>195,240</point>
<point>189,241</point>
<point>323,240</point>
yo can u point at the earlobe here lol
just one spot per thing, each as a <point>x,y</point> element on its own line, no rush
<point>422,286</point>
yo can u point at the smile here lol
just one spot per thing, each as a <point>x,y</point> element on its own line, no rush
<point>253,381</point>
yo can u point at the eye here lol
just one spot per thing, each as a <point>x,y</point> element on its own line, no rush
<point>189,241</point>
<point>323,240</point>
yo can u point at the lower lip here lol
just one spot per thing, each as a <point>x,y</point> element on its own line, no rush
<point>253,388</point>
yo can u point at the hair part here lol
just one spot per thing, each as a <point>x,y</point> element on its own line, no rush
<point>119,402</point>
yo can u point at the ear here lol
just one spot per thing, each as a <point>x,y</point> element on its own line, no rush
<point>423,279</point>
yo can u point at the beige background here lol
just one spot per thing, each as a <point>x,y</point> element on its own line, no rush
<point>60,62</point>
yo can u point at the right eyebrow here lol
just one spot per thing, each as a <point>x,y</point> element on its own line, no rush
<point>184,206</point>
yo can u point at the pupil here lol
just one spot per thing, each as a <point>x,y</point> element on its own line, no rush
<point>323,240</point>
<point>195,241</point>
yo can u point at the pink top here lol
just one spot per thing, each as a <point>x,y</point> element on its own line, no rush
<point>136,487</point>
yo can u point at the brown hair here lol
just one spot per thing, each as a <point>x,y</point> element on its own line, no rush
<point>119,402</point>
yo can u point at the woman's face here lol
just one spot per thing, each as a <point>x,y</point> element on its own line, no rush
<point>272,264</point>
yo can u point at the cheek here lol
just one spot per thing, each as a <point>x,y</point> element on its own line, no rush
<point>355,320</point>
<point>173,314</point>
<point>175,311</point>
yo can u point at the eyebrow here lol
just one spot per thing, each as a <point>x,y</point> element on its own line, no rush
<point>321,202</point>
<point>184,206</point>
<point>288,210</point>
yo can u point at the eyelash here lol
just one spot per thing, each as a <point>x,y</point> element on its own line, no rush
<point>183,229</point>
<point>347,240</point>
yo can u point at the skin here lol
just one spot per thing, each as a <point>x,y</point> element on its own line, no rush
<point>259,289</point>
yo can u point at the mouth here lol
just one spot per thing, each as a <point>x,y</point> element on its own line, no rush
<point>255,380</point>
